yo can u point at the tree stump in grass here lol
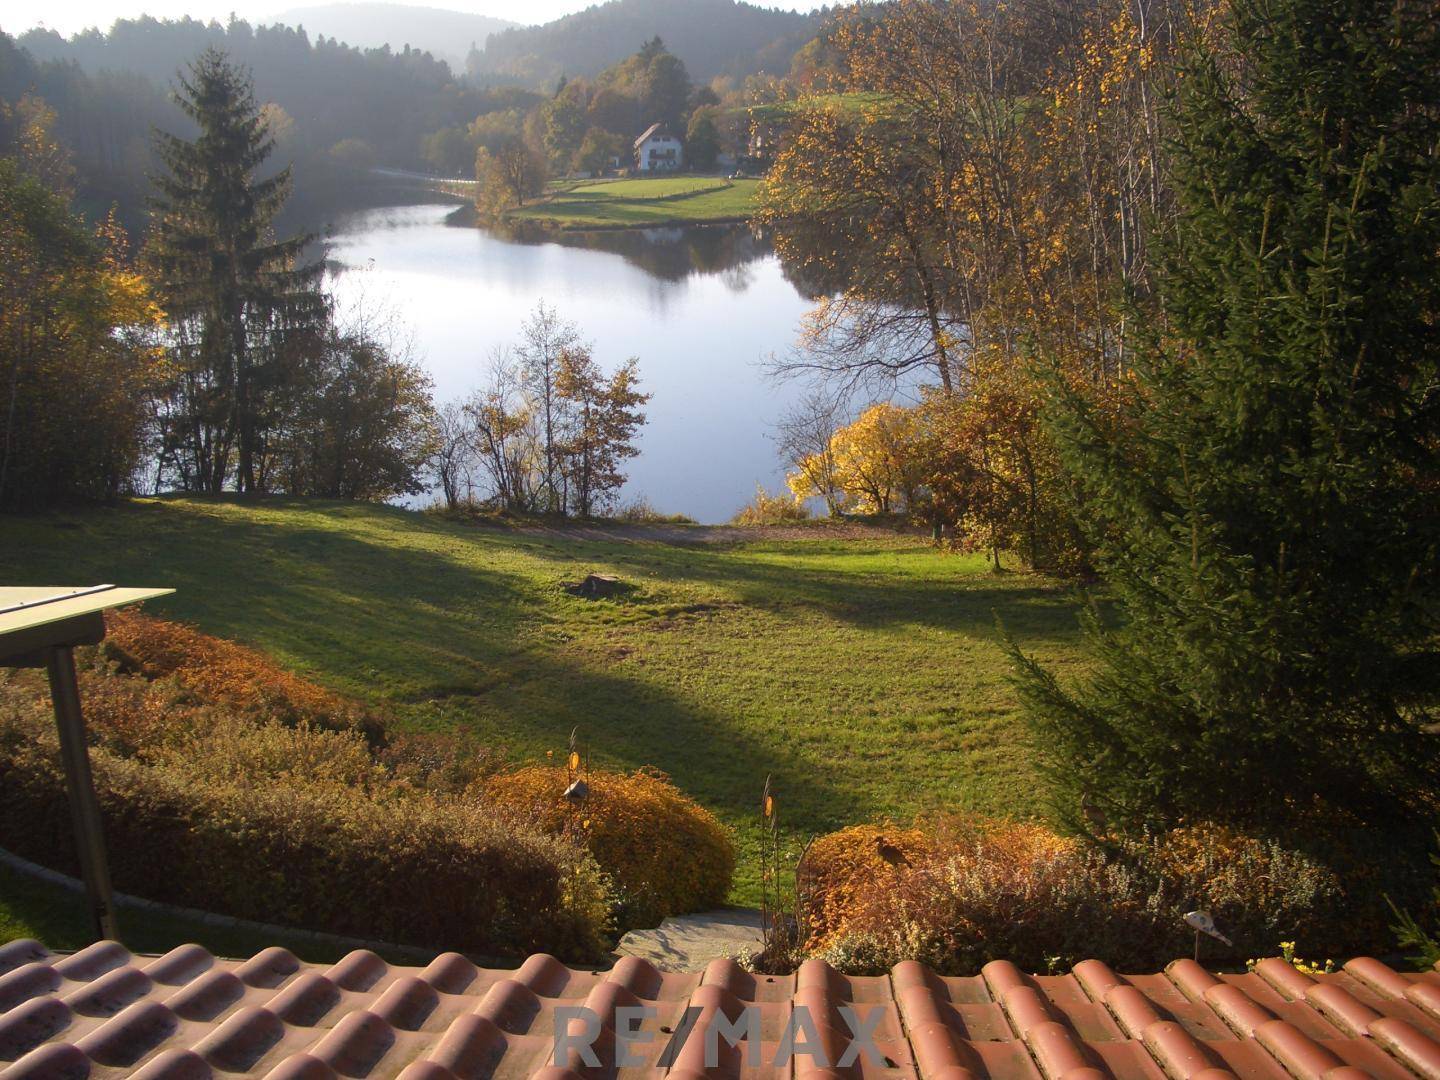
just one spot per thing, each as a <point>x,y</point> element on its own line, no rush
<point>596,586</point>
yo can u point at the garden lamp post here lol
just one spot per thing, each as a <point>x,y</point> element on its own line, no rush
<point>39,628</point>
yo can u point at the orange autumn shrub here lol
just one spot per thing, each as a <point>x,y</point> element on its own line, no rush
<point>127,714</point>
<point>665,853</point>
<point>221,672</point>
<point>840,867</point>
<point>969,890</point>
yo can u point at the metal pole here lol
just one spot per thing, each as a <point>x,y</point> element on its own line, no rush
<point>84,807</point>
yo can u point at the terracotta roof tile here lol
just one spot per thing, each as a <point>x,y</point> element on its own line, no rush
<point>103,1012</point>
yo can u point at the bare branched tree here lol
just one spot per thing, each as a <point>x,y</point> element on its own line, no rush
<point>506,439</point>
<point>544,340</point>
<point>803,439</point>
<point>455,456</point>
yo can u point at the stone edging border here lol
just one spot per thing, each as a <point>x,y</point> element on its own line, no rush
<point>210,918</point>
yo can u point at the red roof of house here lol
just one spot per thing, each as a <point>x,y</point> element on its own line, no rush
<point>104,1012</point>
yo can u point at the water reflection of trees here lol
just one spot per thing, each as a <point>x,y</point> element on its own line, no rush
<point>670,254</point>
<point>823,257</point>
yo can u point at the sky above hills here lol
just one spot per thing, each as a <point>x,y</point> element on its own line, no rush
<point>71,16</point>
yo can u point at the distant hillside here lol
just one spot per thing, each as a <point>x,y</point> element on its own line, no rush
<point>447,35</point>
<point>713,37</point>
<point>342,108</point>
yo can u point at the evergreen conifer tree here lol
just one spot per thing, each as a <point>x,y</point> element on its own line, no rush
<point>233,293</point>
<point>1268,510</point>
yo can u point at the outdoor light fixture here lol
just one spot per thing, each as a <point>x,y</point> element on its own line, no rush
<point>1202,923</point>
<point>40,627</point>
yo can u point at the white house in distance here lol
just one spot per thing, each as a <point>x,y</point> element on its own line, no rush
<point>656,150</point>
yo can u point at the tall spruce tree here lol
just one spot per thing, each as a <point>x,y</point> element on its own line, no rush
<point>1268,511</point>
<point>233,293</point>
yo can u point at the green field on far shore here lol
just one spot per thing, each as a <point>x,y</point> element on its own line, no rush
<point>669,200</point>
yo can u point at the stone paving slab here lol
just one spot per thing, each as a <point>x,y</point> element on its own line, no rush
<point>690,942</point>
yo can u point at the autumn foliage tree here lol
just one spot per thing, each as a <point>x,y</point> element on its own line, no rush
<point>508,173</point>
<point>976,465</point>
<point>977,204</point>
<point>604,417</point>
<point>78,329</point>
<point>870,462</point>
<point>503,433</point>
<point>549,428</point>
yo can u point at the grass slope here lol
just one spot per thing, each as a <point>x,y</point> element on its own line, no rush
<point>864,674</point>
<point>671,200</point>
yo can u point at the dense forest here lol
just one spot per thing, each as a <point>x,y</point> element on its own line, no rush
<point>336,110</point>
<point>713,37</point>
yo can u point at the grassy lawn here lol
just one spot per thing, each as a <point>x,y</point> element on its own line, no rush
<point>864,674</point>
<point>851,101</point>
<point>670,200</point>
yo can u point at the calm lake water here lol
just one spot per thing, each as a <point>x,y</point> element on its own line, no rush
<point>702,308</point>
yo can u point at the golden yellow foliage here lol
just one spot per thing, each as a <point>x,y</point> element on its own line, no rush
<point>77,348</point>
<point>665,853</point>
<point>842,867</point>
<point>871,461</point>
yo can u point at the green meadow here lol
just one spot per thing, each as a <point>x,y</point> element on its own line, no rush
<point>864,675</point>
<point>670,200</point>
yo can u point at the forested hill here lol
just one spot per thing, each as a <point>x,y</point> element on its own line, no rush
<point>712,37</point>
<point>447,35</point>
<point>335,109</point>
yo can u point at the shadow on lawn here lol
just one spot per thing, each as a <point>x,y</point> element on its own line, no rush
<point>439,634</point>
<point>869,596</point>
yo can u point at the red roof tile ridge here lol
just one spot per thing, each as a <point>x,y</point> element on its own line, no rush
<point>102,1013</point>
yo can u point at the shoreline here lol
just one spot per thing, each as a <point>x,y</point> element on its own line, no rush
<point>468,217</point>
<point>625,204</point>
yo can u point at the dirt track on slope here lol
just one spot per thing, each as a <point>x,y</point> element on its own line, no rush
<point>689,535</point>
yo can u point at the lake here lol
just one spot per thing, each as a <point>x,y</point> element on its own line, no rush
<point>701,307</point>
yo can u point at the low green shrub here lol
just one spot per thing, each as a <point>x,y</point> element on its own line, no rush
<point>299,826</point>
<point>639,511</point>
<point>439,762</point>
<point>1258,890</point>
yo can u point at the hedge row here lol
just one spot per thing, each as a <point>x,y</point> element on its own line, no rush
<point>225,673</point>
<point>417,869</point>
<point>233,786</point>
